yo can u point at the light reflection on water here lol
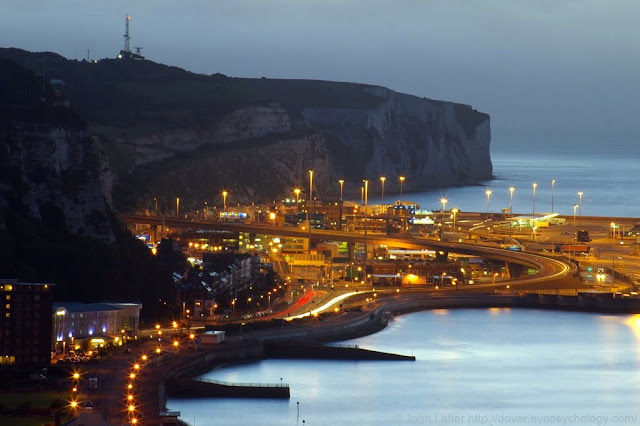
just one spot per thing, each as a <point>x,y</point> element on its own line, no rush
<point>493,361</point>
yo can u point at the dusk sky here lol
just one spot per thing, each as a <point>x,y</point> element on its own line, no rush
<point>550,64</point>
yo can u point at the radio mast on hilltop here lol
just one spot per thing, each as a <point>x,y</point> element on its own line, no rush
<point>126,53</point>
<point>126,35</point>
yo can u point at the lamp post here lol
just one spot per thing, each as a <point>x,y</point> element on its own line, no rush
<point>455,213</point>
<point>382,179</point>
<point>533,211</point>
<point>444,203</point>
<point>366,192</point>
<point>575,207</point>
<point>366,196</point>
<point>511,189</point>
<point>155,200</point>
<point>341,182</point>
<point>206,210</point>
<point>401,182</point>
<point>177,206</point>
<point>224,200</point>
<point>488,192</point>
<point>297,192</point>
<point>553,184</point>
<point>580,204</point>
<point>309,206</point>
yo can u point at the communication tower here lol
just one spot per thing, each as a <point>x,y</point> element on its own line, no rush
<point>126,53</point>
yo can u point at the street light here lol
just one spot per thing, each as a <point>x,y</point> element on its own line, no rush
<point>177,206</point>
<point>455,212</point>
<point>444,203</point>
<point>580,204</point>
<point>297,192</point>
<point>309,206</point>
<point>553,184</point>
<point>366,192</point>
<point>533,211</point>
<point>155,200</point>
<point>488,192</point>
<point>341,182</point>
<point>401,182</point>
<point>382,179</point>
<point>224,200</point>
<point>575,207</point>
<point>511,189</point>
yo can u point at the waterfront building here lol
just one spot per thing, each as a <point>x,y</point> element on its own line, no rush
<point>25,315</point>
<point>87,325</point>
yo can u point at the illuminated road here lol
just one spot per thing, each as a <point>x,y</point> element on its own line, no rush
<point>548,268</point>
<point>324,307</point>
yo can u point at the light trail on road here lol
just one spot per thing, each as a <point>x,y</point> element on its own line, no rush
<point>324,307</point>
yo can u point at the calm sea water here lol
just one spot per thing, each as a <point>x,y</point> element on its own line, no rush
<point>479,367</point>
<point>474,367</point>
<point>603,167</point>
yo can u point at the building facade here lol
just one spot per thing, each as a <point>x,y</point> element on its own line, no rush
<point>25,323</point>
<point>85,325</point>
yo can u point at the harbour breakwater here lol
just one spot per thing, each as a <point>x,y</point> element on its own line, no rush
<point>179,378</point>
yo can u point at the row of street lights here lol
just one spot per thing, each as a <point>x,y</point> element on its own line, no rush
<point>224,194</point>
<point>297,191</point>
<point>512,189</point>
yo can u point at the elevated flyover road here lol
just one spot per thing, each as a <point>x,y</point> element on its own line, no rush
<point>548,268</point>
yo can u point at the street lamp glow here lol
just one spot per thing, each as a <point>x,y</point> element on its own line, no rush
<point>488,193</point>
<point>224,200</point>
<point>177,207</point>
<point>401,182</point>
<point>136,366</point>
<point>580,204</point>
<point>533,211</point>
<point>132,376</point>
<point>366,192</point>
<point>341,182</point>
<point>297,192</point>
<point>175,343</point>
<point>511,189</point>
<point>455,213</point>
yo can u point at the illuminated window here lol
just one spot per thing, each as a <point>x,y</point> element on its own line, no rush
<point>7,315</point>
<point>7,306</point>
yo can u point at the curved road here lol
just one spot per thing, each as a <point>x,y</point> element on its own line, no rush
<point>548,268</point>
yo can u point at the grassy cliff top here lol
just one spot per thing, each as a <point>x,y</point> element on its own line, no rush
<point>116,93</point>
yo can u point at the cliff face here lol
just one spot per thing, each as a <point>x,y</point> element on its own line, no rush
<point>162,127</point>
<point>53,170</point>
<point>432,143</point>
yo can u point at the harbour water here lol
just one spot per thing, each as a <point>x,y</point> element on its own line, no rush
<point>603,167</point>
<point>474,367</point>
<point>479,367</point>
